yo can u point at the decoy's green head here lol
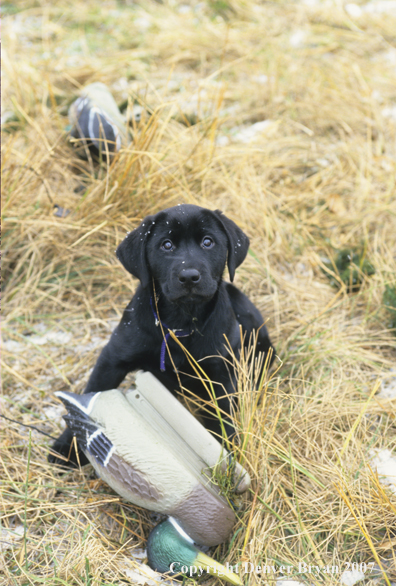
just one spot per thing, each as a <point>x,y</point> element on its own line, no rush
<point>171,550</point>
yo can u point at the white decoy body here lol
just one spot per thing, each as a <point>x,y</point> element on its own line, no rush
<point>149,448</point>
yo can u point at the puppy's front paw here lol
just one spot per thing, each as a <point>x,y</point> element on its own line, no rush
<point>64,454</point>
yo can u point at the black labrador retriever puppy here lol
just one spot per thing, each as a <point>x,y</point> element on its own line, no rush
<point>179,256</point>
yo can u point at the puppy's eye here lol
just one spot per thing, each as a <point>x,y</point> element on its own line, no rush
<point>167,245</point>
<point>207,242</point>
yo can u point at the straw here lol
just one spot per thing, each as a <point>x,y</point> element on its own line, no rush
<point>280,114</point>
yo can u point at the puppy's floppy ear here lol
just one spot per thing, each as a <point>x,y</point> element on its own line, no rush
<point>238,243</point>
<point>132,252</point>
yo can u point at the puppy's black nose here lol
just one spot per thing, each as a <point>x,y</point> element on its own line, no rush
<point>189,276</point>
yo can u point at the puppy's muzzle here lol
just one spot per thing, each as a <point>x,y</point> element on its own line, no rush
<point>189,277</point>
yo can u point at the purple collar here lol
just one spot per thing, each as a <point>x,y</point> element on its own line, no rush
<point>178,334</point>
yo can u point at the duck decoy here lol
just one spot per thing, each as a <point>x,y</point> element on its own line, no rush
<point>169,550</point>
<point>97,123</point>
<point>152,451</point>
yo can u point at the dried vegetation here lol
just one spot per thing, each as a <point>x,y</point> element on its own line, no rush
<point>281,114</point>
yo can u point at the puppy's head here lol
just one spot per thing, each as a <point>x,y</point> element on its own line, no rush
<point>185,249</point>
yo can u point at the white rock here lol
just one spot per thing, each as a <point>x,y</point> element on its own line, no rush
<point>390,56</point>
<point>95,342</point>
<point>248,133</point>
<point>384,461</point>
<point>311,2</point>
<point>143,23</point>
<point>60,338</point>
<point>381,7</point>
<point>375,94</point>
<point>261,78</point>
<point>9,537</point>
<point>389,112</point>
<point>142,574</point>
<point>297,38</point>
<point>323,162</point>
<point>387,166</point>
<point>13,346</point>
<point>138,554</point>
<point>55,414</point>
<point>353,10</point>
<point>184,9</point>
<point>351,577</point>
<point>6,115</point>
<point>388,386</point>
<point>198,103</point>
<point>374,7</point>
<point>120,85</point>
<point>222,140</point>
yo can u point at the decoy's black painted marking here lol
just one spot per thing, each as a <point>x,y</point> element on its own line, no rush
<point>84,403</point>
<point>93,123</point>
<point>100,447</point>
<point>89,436</point>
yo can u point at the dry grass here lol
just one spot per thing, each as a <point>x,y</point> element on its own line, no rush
<point>320,177</point>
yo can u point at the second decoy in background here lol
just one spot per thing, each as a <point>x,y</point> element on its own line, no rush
<point>98,127</point>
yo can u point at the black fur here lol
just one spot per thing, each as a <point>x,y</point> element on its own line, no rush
<point>180,255</point>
